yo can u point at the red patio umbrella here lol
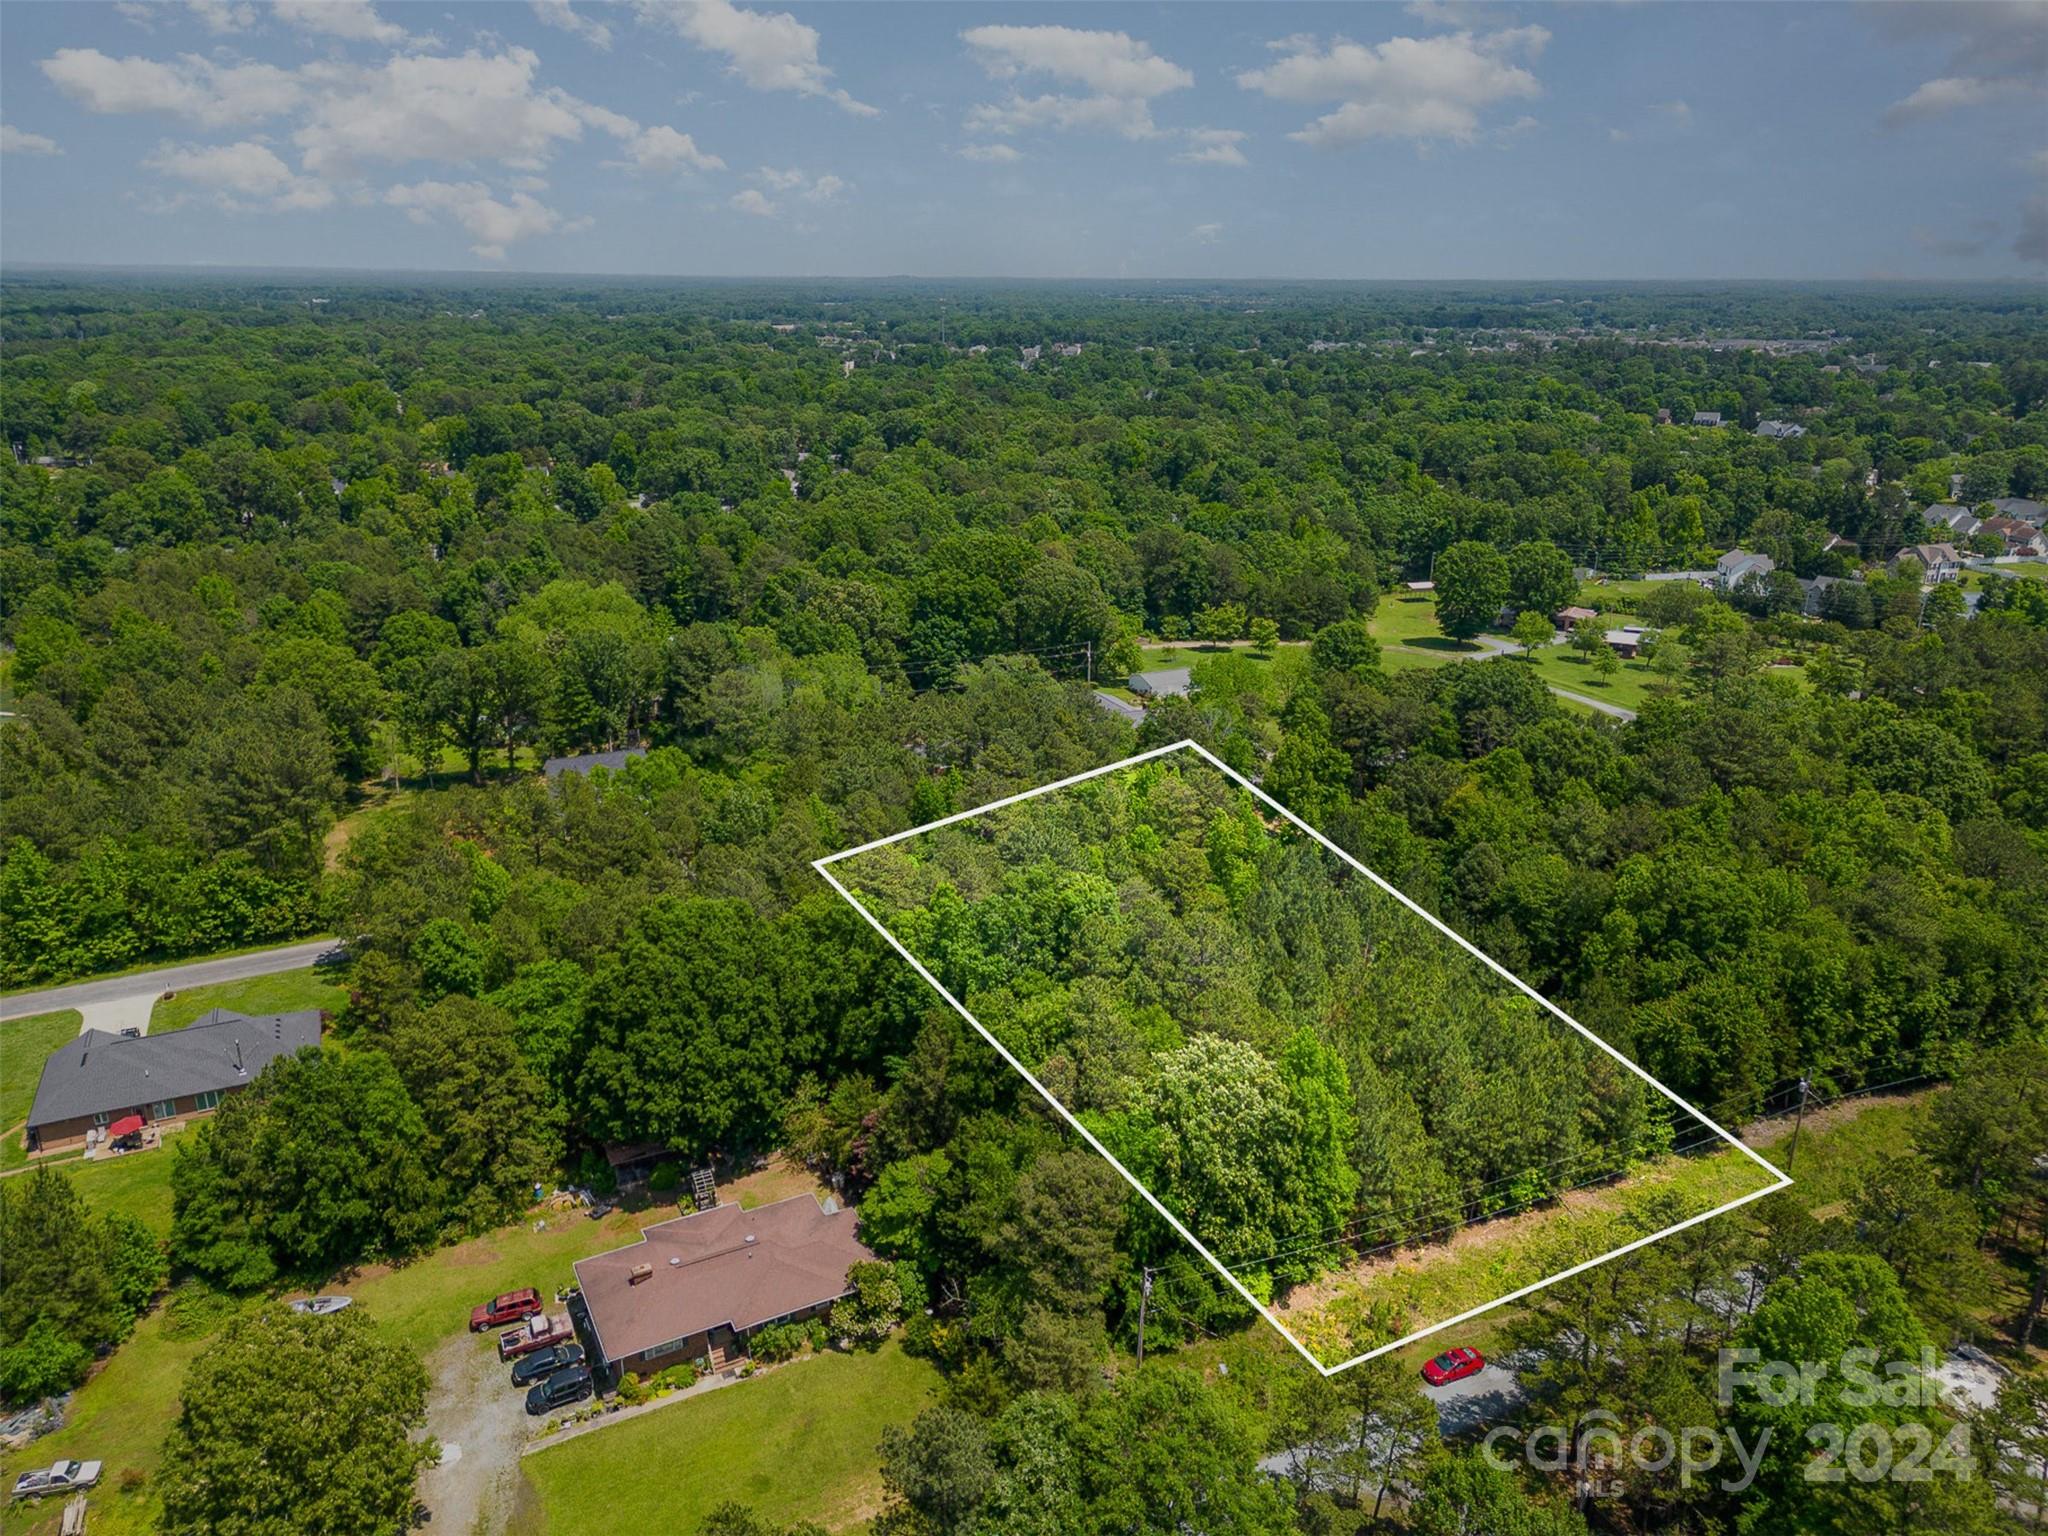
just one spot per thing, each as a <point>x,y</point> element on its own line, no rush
<point>127,1125</point>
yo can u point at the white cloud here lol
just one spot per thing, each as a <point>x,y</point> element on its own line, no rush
<point>16,141</point>
<point>1213,146</point>
<point>769,51</point>
<point>815,189</point>
<point>241,176</point>
<point>353,21</point>
<point>1995,52</point>
<point>1120,74</point>
<point>562,15</point>
<point>453,109</point>
<point>491,223</point>
<point>990,154</point>
<point>1206,234</point>
<point>662,148</point>
<point>219,16</point>
<point>1937,98</point>
<point>199,90</point>
<point>1419,88</point>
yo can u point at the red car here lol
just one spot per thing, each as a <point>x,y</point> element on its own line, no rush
<point>1453,1365</point>
<point>512,1307</point>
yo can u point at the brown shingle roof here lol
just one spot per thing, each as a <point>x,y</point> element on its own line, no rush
<point>725,1265</point>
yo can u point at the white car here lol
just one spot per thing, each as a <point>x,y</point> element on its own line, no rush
<point>59,1477</point>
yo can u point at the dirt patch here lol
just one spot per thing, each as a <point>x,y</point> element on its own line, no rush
<point>1760,1132</point>
<point>780,1178</point>
<point>480,1419</point>
<point>1477,1234</point>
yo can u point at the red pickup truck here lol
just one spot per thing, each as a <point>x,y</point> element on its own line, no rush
<point>539,1332</point>
<point>512,1307</point>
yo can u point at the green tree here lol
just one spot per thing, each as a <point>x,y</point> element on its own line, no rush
<point>289,1425</point>
<point>1540,577</point>
<point>1472,586</point>
<point>1265,635</point>
<point>1533,632</point>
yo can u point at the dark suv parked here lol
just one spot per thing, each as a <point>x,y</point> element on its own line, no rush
<point>559,1390</point>
<point>545,1362</point>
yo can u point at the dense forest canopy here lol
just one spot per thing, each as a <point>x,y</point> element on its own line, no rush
<point>301,577</point>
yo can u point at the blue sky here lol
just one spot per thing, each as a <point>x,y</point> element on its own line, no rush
<point>1436,139</point>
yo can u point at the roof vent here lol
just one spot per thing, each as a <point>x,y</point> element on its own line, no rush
<point>640,1272</point>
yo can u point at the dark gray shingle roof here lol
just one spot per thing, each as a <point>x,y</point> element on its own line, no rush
<point>99,1071</point>
<point>555,767</point>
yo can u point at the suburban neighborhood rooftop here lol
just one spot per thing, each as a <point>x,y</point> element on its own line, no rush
<point>725,1266</point>
<point>221,1050</point>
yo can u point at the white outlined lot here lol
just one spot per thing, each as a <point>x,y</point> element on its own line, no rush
<point>823,866</point>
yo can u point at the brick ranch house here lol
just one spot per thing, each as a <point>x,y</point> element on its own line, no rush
<point>694,1288</point>
<point>93,1081</point>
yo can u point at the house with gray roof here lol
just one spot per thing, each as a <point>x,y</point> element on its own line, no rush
<point>99,1079</point>
<point>1780,429</point>
<point>1960,521</point>
<point>583,762</point>
<point>1740,565</point>
<point>1166,683</point>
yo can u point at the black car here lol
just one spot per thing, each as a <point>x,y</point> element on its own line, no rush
<point>545,1362</point>
<point>559,1390</point>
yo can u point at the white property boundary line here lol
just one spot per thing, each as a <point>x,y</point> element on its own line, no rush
<point>1783,1179</point>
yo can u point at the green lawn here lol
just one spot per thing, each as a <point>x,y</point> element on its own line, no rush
<point>1409,618</point>
<point>137,1183</point>
<point>25,1044</point>
<point>801,1443</point>
<point>1567,668</point>
<point>286,992</point>
<point>118,1417</point>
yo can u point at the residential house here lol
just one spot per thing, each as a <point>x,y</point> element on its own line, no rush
<point>583,762</point>
<point>2021,537</point>
<point>1166,683</point>
<point>1740,565</point>
<point>697,1287</point>
<point>1817,594</point>
<point>1960,521</point>
<point>1706,418</point>
<point>98,1079</point>
<point>1566,618</point>
<point>1779,429</point>
<point>1939,562</point>
<point>1837,545</point>
<point>1625,642</point>
<point>2024,508</point>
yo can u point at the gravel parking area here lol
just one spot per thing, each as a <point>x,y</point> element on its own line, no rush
<point>480,1419</point>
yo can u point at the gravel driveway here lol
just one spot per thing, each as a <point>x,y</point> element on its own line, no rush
<point>480,1419</point>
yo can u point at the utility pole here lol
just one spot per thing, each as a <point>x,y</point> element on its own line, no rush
<point>1090,646</point>
<point>1144,1303</point>
<point>1799,1120</point>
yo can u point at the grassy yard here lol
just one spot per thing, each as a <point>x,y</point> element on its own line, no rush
<point>1409,618</point>
<point>802,1443</point>
<point>118,1417</point>
<point>1481,1262</point>
<point>286,992</point>
<point>25,1044</point>
<point>1564,667</point>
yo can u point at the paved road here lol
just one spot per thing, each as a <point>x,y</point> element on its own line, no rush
<point>1602,705</point>
<point>109,997</point>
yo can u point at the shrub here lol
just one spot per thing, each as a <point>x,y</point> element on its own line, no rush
<point>676,1377</point>
<point>632,1389</point>
<point>784,1341</point>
